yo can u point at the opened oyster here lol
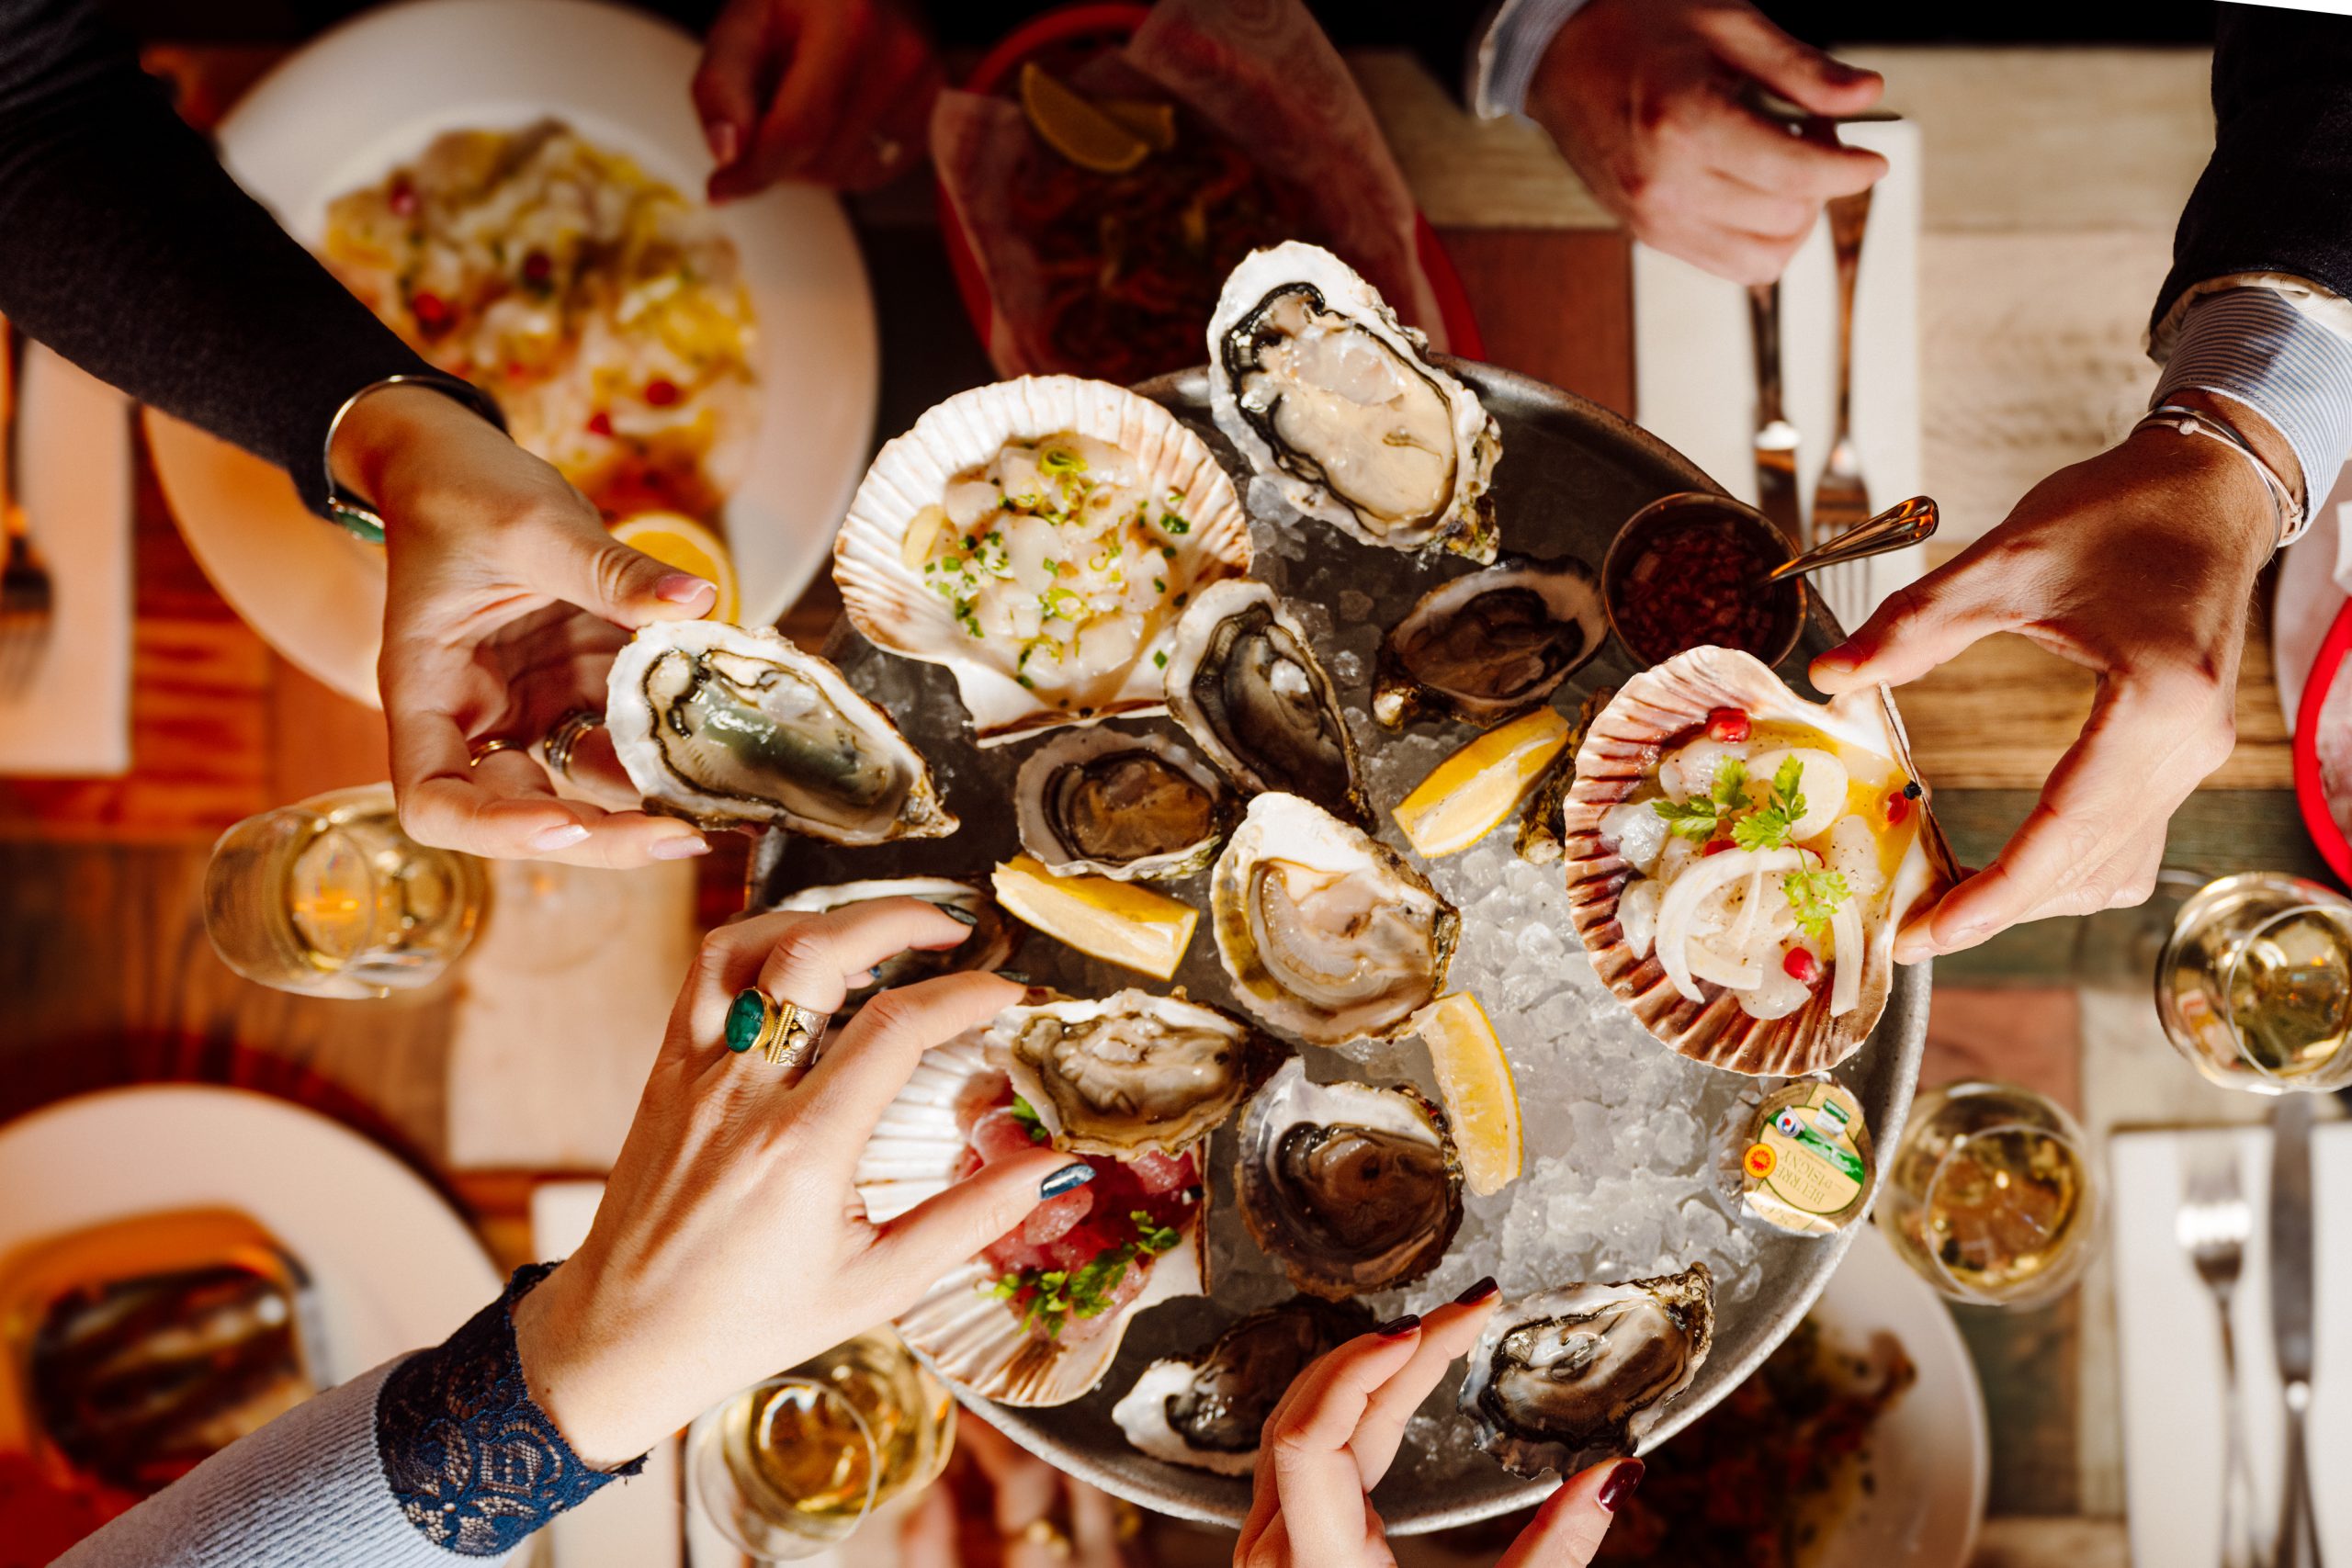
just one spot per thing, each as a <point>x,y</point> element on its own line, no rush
<point>1490,645</point>
<point>731,727</point>
<point>1326,931</point>
<point>1105,803</point>
<point>1315,381</point>
<point>1246,685</point>
<point>1349,1188</point>
<point>1568,1378</point>
<point>992,941</point>
<point>1206,1411</point>
<point>1129,1073</point>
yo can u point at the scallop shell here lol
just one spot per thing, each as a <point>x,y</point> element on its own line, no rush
<point>969,1338</point>
<point>886,600</point>
<point>1621,748</point>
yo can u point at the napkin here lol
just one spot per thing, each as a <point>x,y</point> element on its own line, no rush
<point>1694,362</point>
<point>73,718</point>
<point>2314,576</point>
<point>2171,1346</point>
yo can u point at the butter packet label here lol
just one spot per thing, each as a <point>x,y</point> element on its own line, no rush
<point>1808,1162</point>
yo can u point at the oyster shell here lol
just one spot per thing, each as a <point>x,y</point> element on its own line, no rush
<point>1327,933</point>
<point>1351,1188</point>
<point>1108,803</point>
<point>1317,383</point>
<point>733,728</point>
<point>993,941</point>
<point>1206,1410</point>
<point>1570,1377</point>
<point>881,554</point>
<point>1539,821</point>
<point>1246,685</point>
<point>1490,645</point>
<point>1621,751</point>
<point>1130,1073</point>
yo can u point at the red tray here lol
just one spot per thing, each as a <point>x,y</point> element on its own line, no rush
<point>2318,820</point>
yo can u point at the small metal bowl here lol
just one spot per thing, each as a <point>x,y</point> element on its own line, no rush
<point>1664,515</point>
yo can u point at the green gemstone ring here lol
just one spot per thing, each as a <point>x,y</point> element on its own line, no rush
<point>785,1033</point>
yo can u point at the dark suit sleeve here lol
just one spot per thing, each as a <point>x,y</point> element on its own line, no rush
<point>125,247</point>
<point>1440,31</point>
<point>2276,195</point>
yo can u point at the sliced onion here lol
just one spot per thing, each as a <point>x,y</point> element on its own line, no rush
<point>1731,974</point>
<point>1637,914</point>
<point>1847,957</point>
<point>1677,911</point>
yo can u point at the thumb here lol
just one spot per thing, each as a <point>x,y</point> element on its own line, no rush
<point>579,562</point>
<point>951,1228</point>
<point>1804,75</point>
<point>1918,628</point>
<point>1567,1529</point>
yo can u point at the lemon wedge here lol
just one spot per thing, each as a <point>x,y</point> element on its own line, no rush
<point>1116,921</point>
<point>674,539</point>
<point>1468,795</point>
<point>1155,122</point>
<point>1474,1079</point>
<point>1074,128</point>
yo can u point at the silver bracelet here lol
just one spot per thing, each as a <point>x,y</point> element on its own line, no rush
<point>2292,520</point>
<point>355,515</point>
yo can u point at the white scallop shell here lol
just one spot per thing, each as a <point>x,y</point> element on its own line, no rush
<point>888,601</point>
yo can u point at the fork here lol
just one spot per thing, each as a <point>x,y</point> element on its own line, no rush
<point>2212,1226</point>
<point>1841,499</point>
<point>26,598</point>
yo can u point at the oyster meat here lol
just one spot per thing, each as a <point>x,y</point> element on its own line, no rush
<point>1131,1073</point>
<point>1247,687</point>
<point>991,943</point>
<point>1206,1411</point>
<point>1570,1377</point>
<point>731,727</point>
<point>1315,381</point>
<point>1490,645</point>
<point>1106,803</point>
<point>1327,933</point>
<point>1351,1188</point>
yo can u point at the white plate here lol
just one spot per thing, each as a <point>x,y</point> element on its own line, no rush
<point>394,1267</point>
<point>371,93</point>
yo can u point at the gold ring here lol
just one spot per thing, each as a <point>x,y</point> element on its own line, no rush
<point>477,751</point>
<point>564,737</point>
<point>785,1033</point>
<point>1043,1534</point>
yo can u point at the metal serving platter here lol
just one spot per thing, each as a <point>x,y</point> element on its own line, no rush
<point>1571,473</point>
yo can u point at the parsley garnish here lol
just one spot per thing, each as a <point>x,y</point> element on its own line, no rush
<point>1056,1295</point>
<point>1171,523</point>
<point>1814,895</point>
<point>1698,820</point>
<point>1027,1114</point>
<point>1767,827</point>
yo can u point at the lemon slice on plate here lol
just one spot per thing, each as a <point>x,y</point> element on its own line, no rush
<point>1073,127</point>
<point>1116,921</point>
<point>1155,122</point>
<point>1468,795</point>
<point>1474,1079</point>
<point>675,539</point>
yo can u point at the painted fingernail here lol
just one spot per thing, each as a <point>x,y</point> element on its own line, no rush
<point>683,588</point>
<point>1397,1327</point>
<point>1621,1483</point>
<point>721,135</point>
<point>553,839</point>
<point>1477,1292</point>
<point>958,913</point>
<point>683,847</point>
<point>1069,1178</point>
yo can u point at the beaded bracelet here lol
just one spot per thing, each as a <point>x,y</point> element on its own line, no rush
<point>358,517</point>
<point>2292,520</point>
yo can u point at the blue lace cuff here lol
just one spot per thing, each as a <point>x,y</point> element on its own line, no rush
<point>474,1464</point>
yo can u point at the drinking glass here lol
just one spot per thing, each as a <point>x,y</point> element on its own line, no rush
<point>1990,1197</point>
<point>2254,985</point>
<point>329,898</point>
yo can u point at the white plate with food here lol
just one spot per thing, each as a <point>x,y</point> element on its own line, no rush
<point>512,185</point>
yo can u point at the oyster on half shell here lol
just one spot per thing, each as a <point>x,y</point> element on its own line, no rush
<point>1327,933</point>
<point>1351,1188</point>
<point>1570,1377</point>
<point>993,941</point>
<point>1319,385</point>
<point>1246,685</point>
<point>731,727</point>
<point>1206,1410</point>
<point>1107,803</point>
<point>1131,1073</point>
<point>1490,645</point>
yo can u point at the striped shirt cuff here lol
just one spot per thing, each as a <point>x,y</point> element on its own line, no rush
<point>2252,344</point>
<point>1503,65</point>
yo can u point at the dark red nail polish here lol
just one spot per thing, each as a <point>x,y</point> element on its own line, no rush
<point>1397,1327</point>
<point>1621,1485</point>
<point>1477,1292</point>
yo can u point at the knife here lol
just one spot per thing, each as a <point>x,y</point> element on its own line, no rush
<point>2290,1318</point>
<point>1776,438</point>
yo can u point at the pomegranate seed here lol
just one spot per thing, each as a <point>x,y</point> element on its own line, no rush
<point>1802,967</point>
<point>538,267</point>
<point>1717,846</point>
<point>1727,724</point>
<point>432,310</point>
<point>660,393</point>
<point>1898,806</point>
<point>600,423</point>
<point>402,197</point>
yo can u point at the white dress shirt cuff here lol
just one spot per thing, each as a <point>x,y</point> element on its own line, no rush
<point>2256,344</point>
<point>1503,64</point>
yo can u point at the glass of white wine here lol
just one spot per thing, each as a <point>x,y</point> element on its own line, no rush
<point>2254,987</point>
<point>329,898</point>
<point>1990,1197</point>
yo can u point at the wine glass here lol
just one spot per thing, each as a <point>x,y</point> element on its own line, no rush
<point>2255,985</point>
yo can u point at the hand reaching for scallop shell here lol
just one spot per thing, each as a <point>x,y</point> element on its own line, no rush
<point>1334,1435</point>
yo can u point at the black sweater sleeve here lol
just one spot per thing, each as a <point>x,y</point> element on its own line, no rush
<point>125,247</point>
<point>2276,195</point>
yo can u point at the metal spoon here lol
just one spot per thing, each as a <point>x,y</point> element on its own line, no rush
<point>1907,524</point>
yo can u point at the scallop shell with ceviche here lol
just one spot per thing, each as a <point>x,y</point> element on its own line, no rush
<point>1040,537</point>
<point>1739,860</point>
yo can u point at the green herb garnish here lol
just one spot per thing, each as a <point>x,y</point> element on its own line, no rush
<point>1767,827</point>
<point>1027,1114</point>
<point>1700,820</point>
<point>1056,1295</point>
<point>1172,524</point>
<point>1814,895</point>
<point>1060,460</point>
